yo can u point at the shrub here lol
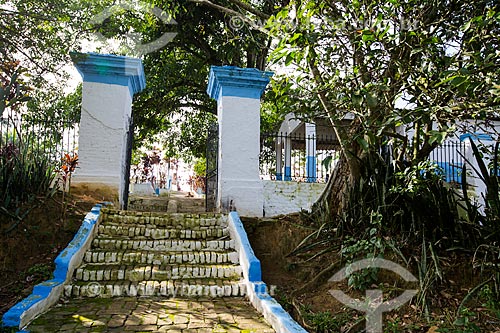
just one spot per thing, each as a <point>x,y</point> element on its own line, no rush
<point>25,175</point>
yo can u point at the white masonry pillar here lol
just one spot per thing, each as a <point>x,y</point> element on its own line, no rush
<point>109,84</point>
<point>311,152</point>
<point>238,92</point>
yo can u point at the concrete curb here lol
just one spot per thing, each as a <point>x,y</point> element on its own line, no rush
<point>47,293</point>
<point>257,290</point>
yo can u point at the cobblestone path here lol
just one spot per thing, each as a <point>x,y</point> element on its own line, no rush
<point>152,314</point>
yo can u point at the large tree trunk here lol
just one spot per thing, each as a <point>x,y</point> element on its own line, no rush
<point>332,201</point>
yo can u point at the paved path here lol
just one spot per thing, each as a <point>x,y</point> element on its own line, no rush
<point>152,314</point>
<point>173,202</point>
<point>186,204</point>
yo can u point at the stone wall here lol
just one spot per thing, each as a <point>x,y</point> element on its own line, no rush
<point>281,197</point>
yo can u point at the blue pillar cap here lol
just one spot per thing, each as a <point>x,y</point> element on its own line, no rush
<point>237,82</point>
<point>476,136</point>
<point>111,69</point>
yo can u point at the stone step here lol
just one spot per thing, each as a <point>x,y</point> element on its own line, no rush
<point>148,207</point>
<point>161,244</point>
<point>171,288</point>
<point>106,272</point>
<point>152,232</point>
<point>126,257</point>
<point>183,220</point>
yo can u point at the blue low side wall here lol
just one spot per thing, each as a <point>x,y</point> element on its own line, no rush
<point>47,293</point>
<point>256,289</point>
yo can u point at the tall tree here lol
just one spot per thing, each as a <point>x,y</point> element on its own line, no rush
<point>41,33</point>
<point>37,36</point>
<point>368,58</point>
<point>177,74</point>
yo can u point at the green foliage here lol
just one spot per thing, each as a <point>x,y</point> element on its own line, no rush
<point>43,33</point>
<point>283,299</point>
<point>392,326</point>
<point>487,252</point>
<point>429,274</point>
<point>53,108</point>
<point>489,176</point>
<point>25,175</point>
<point>39,273</point>
<point>324,322</point>
<point>26,171</point>
<point>490,300</point>
<point>175,99</point>
<point>354,249</point>
<point>13,90</point>
<point>369,58</point>
<point>200,167</point>
<point>392,213</point>
<point>328,161</point>
<point>463,324</point>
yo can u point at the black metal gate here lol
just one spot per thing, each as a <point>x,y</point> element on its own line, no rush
<point>128,160</point>
<point>212,166</point>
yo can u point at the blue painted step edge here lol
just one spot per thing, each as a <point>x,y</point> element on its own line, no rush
<point>256,289</point>
<point>47,293</point>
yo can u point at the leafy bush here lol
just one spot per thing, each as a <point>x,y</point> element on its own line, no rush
<point>25,174</point>
<point>323,322</point>
<point>490,300</point>
<point>200,167</point>
<point>389,212</point>
<point>39,273</point>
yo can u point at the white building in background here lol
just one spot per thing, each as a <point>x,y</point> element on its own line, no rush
<point>298,140</point>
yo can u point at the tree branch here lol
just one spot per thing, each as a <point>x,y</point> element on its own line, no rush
<point>250,9</point>
<point>231,12</point>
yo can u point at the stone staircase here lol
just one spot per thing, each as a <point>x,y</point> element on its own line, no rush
<point>159,254</point>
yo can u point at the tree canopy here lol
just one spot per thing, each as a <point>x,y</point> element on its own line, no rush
<point>178,73</point>
<point>392,64</point>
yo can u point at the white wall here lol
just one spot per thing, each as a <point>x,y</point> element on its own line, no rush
<point>282,197</point>
<point>239,183</point>
<point>104,122</point>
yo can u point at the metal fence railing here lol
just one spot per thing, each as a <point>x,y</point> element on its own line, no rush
<point>46,137</point>
<point>277,147</point>
<point>295,164</point>
<point>449,158</point>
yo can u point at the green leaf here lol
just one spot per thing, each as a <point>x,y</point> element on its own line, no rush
<point>357,99</point>
<point>290,57</point>
<point>295,37</point>
<point>327,162</point>
<point>437,136</point>
<point>371,100</point>
<point>368,36</point>
<point>460,321</point>
<point>466,26</point>
<point>430,40</point>
<point>362,142</point>
<point>458,81</point>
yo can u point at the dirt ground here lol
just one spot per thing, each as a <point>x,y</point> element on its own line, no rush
<point>273,239</point>
<point>27,252</point>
